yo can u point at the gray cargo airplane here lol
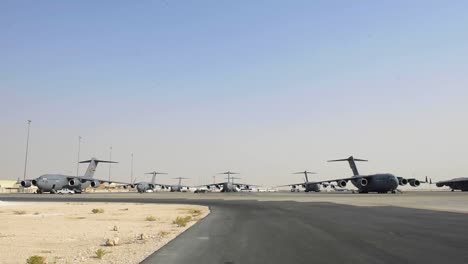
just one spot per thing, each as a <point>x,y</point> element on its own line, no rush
<point>54,182</point>
<point>379,183</point>
<point>176,188</point>
<point>455,184</point>
<point>229,186</point>
<point>307,185</point>
<point>146,186</point>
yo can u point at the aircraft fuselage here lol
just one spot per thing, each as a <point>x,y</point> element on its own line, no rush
<point>311,187</point>
<point>54,182</point>
<point>380,183</point>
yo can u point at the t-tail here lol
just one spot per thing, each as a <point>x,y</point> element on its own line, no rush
<point>154,173</point>
<point>93,162</point>
<point>180,180</point>
<point>305,174</point>
<point>351,160</point>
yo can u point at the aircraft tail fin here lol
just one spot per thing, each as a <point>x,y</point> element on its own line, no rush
<point>180,179</point>
<point>305,174</point>
<point>93,162</point>
<point>351,160</point>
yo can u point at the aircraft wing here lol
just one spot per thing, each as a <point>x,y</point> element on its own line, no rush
<point>99,180</point>
<point>294,184</point>
<point>212,184</point>
<point>342,179</point>
<point>413,179</point>
<point>244,184</point>
<point>452,181</point>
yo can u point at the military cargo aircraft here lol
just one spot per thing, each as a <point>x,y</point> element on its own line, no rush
<point>147,186</point>
<point>455,184</point>
<point>178,187</point>
<point>229,186</point>
<point>54,182</point>
<point>379,183</point>
<point>307,185</point>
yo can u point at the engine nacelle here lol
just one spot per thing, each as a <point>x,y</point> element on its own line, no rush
<point>402,181</point>
<point>414,183</point>
<point>363,182</point>
<point>208,187</point>
<point>73,182</point>
<point>342,183</point>
<point>439,184</point>
<point>26,184</point>
<point>95,184</point>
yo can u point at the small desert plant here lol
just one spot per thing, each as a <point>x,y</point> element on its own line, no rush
<point>100,253</point>
<point>97,211</point>
<point>19,212</point>
<point>195,212</point>
<point>150,218</point>
<point>163,233</point>
<point>182,221</point>
<point>36,260</point>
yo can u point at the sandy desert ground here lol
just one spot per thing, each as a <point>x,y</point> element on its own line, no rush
<point>72,233</point>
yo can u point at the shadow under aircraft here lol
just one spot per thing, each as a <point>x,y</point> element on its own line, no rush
<point>377,183</point>
<point>54,182</point>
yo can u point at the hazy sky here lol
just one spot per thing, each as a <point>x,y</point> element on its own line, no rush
<point>265,88</point>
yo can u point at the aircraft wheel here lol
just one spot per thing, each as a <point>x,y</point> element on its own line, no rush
<point>53,191</point>
<point>453,190</point>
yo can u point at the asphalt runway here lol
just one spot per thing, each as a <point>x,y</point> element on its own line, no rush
<point>245,230</point>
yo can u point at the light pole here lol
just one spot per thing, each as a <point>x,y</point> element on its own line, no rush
<point>78,161</point>
<point>110,164</point>
<point>131,171</point>
<point>27,148</point>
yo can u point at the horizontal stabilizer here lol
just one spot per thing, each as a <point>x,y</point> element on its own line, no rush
<point>348,159</point>
<point>97,161</point>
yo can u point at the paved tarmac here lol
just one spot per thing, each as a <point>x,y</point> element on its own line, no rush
<point>245,230</point>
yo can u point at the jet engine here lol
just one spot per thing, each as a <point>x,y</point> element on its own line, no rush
<point>363,182</point>
<point>26,184</point>
<point>402,181</point>
<point>95,184</point>
<point>342,183</point>
<point>414,182</point>
<point>74,182</point>
<point>437,184</point>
